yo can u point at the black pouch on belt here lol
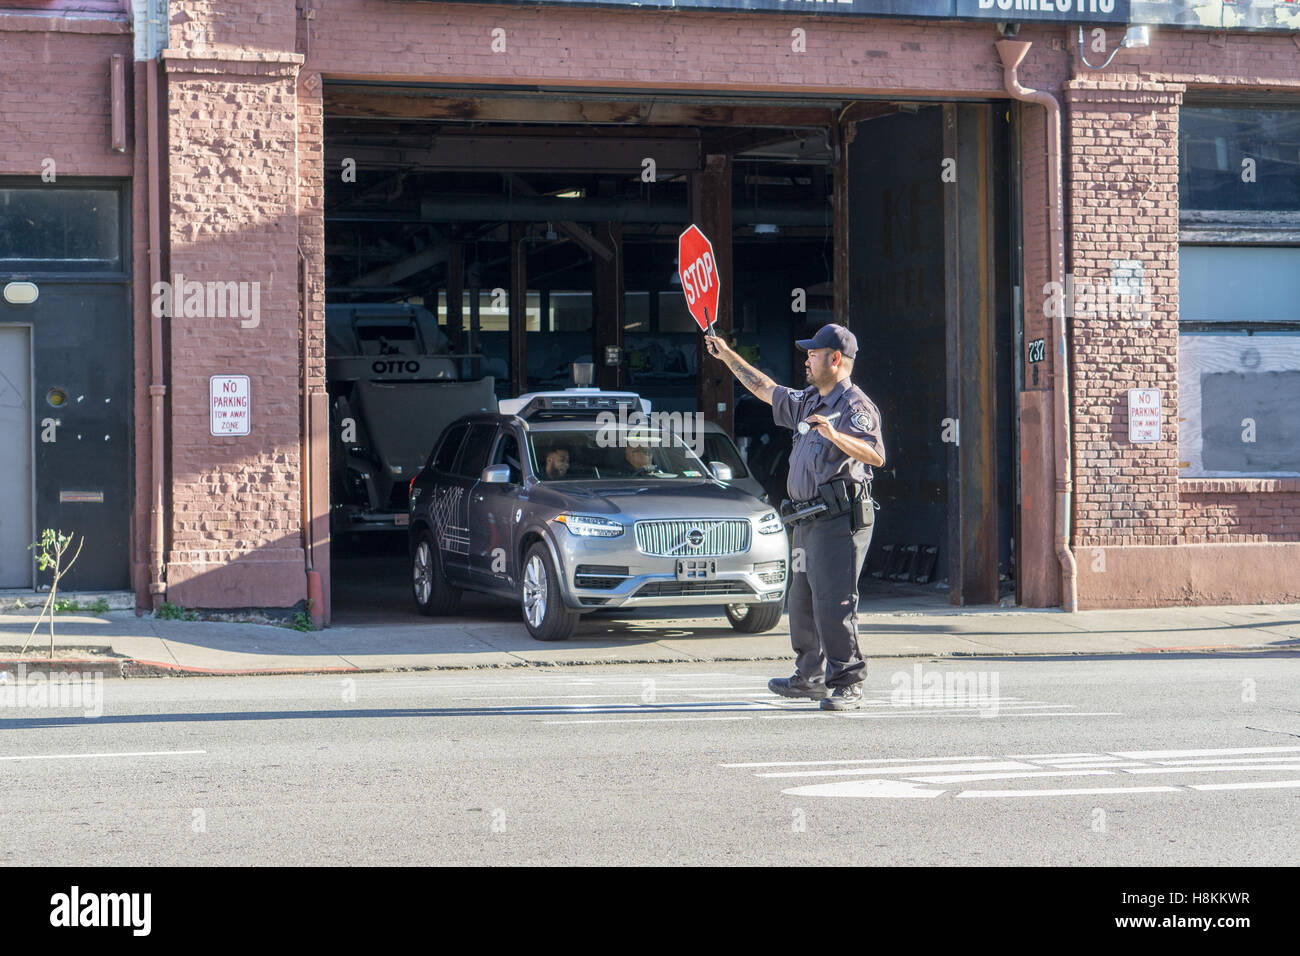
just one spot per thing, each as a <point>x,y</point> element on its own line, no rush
<point>837,495</point>
<point>863,512</point>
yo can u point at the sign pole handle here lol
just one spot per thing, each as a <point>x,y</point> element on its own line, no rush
<point>709,322</point>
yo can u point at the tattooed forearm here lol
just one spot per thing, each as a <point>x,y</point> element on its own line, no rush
<point>751,378</point>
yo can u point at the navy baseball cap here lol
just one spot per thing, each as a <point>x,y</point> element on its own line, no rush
<point>832,337</point>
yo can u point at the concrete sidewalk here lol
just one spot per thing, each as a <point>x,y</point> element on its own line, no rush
<point>487,635</point>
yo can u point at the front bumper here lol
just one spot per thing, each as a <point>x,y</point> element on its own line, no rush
<point>613,573</point>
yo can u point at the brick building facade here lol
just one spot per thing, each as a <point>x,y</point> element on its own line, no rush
<point>241,178</point>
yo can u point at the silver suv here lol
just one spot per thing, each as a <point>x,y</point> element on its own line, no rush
<point>565,510</point>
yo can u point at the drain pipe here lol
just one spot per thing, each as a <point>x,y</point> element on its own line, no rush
<point>1012,52</point>
<point>157,389</point>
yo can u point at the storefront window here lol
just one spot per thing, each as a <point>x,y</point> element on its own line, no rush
<point>55,229</point>
<point>1239,159</point>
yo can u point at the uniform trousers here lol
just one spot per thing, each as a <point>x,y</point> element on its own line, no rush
<point>826,562</point>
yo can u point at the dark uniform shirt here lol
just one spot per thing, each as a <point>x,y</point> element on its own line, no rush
<point>814,460</point>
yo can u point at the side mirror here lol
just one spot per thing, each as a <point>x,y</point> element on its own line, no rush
<point>496,475</point>
<point>721,470</point>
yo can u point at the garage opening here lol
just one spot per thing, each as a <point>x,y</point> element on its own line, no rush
<point>478,246</point>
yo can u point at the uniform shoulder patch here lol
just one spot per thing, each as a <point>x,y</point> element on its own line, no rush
<point>862,420</point>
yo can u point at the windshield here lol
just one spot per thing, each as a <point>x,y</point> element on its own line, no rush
<point>612,453</point>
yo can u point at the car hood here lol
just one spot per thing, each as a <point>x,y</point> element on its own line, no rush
<point>656,498</point>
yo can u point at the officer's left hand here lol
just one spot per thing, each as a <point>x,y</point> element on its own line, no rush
<point>821,426</point>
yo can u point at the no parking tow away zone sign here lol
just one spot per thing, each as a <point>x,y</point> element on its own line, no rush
<point>230,405</point>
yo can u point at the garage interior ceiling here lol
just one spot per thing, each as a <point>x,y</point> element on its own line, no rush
<point>433,167</point>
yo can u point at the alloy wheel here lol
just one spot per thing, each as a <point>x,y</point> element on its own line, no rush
<point>535,591</point>
<point>422,571</point>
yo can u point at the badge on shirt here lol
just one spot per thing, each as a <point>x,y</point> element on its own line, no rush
<point>862,420</point>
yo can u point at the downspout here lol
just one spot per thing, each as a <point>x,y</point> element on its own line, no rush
<point>1012,52</point>
<point>305,446</point>
<point>157,586</point>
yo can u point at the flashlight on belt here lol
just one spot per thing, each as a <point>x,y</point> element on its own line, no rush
<point>805,428</point>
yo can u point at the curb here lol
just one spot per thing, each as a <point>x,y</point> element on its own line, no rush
<point>128,667</point>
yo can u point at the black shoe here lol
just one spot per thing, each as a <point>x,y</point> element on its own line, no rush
<point>797,686</point>
<point>848,697</point>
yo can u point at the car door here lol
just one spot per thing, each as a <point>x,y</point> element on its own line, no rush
<point>491,519</point>
<point>443,499</point>
<point>469,465</point>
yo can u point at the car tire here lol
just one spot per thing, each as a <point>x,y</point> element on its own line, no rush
<point>754,618</point>
<point>432,594</point>
<point>544,612</point>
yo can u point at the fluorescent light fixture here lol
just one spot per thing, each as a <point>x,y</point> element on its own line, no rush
<point>21,293</point>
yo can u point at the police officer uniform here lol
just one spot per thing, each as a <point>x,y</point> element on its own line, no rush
<point>827,555</point>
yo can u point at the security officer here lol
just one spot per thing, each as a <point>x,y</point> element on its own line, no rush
<point>843,441</point>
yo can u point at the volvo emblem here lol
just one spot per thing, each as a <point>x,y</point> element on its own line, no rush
<point>695,537</point>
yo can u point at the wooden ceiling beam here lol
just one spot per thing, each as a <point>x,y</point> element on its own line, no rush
<point>354,103</point>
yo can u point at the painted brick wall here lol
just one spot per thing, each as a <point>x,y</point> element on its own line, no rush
<point>1240,510</point>
<point>1123,173</point>
<point>643,48</point>
<point>236,502</point>
<point>232,26</point>
<point>55,97</point>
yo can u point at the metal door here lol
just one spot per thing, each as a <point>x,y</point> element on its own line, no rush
<point>16,462</point>
<point>82,410</point>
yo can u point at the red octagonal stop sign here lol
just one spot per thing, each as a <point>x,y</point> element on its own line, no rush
<point>699,274</point>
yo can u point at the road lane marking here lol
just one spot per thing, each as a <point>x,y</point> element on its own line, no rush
<point>1200,768</point>
<point>1046,756</point>
<point>1261,785</point>
<point>823,763</point>
<point>1082,791</point>
<point>642,720</point>
<point>904,771</point>
<point>1167,754</point>
<point>126,753</point>
<point>948,713</point>
<point>891,777</point>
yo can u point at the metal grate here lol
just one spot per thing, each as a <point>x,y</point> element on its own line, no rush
<point>687,588</point>
<point>599,577</point>
<point>674,538</point>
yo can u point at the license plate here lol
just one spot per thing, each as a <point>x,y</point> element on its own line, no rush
<point>401,520</point>
<point>696,569</point>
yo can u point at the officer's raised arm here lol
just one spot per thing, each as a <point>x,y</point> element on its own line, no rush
<point>750,377</point>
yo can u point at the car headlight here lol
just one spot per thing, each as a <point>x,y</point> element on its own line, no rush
<point>770,523</point>
<point>586,526</point>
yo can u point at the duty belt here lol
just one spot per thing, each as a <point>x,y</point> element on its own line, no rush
<point>834,500</point>
<point>795,512</point>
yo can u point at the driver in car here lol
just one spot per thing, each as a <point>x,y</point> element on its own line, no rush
<point>640,458</point>
<point>557,463</point>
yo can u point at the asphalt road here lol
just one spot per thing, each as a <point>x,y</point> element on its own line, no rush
<point>1127,761</point>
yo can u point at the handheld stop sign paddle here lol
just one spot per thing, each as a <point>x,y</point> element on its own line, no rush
<point>698,270</point>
